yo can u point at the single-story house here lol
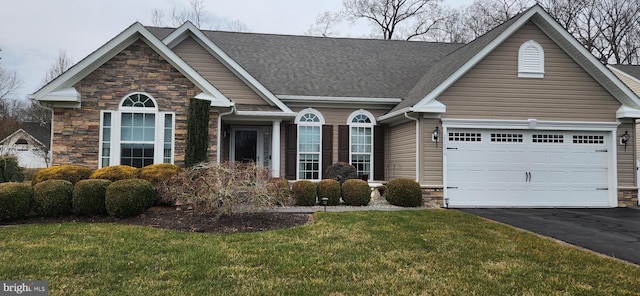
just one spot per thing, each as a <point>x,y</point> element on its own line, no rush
<point>29,144</point>
<point>523,116</point>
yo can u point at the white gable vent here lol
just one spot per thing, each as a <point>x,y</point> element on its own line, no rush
<point>531,60</point>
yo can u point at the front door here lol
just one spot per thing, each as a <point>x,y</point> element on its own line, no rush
<point>251,144</point>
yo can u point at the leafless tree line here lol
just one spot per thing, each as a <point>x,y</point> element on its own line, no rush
<point>197,14</point>
<point>610,29</point>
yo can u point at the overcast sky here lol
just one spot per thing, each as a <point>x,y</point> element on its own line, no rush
<point>33,32</point>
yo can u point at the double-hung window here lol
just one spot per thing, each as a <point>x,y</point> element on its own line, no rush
<point>309,123</point>
<point>361,125</point>
<point>137,134</point>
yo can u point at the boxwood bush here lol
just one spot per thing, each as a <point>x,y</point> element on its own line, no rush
<point>341,171</point>
<point>16,200</point>
<point>10,170</point>
<point>403,192</point>
<point>115,173</point>
<point>129,198</point>
<point>356,192</point>
<point>304,193</point>
<point>71,173</point>
<point>88,197</point>
<point>53,198</point>
<point>330,189</point>
<point>157,173</point>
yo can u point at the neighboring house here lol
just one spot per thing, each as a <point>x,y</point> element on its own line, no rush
<point>523,116</point>
<point>29,144</point>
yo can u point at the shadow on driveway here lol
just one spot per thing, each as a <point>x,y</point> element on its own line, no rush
<point>613,232</point>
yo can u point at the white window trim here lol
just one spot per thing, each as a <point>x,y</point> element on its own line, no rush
<point>300,123</point>
<point>370,125</point>
<point>116,126</point>
<point>529,72</point>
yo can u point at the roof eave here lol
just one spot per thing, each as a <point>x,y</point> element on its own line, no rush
<point>189,28</point>
<point>114,46</point>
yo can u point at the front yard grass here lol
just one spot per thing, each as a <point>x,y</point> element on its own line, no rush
<point>432,252</point>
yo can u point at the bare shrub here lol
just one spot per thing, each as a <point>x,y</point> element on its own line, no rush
<point>221,189</point>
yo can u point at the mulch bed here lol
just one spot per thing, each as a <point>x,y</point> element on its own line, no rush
<point>188,221</point>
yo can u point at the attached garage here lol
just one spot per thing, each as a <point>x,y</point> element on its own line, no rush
<point>501,167</point>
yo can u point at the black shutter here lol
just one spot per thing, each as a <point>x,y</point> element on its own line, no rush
<point>327,148</point>
<point>290,150</point>
<point>343,143</point>
<point>378,152</point>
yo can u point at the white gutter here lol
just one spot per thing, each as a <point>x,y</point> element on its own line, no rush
<point>219,150</point>
<point>406,114</point>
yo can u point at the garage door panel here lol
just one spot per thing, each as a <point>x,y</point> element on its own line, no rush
<point>528,169</point>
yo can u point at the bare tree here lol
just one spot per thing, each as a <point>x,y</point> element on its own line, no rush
<point>62,63</point>
<point>233,26</point>
<point>9,83</point>
<point>325,24</point>
<point>484,15</point>
<point>396,19</point>
<point>453,28</point>
<point>197,14</point>
<point>609,29</point>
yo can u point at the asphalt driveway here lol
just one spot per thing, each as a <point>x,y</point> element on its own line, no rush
<point>613,232</point>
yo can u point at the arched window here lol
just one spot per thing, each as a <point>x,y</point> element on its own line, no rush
<point>361,124</point>
<point>137,134</point>
<point>309,122</point>
<point>531,60</point>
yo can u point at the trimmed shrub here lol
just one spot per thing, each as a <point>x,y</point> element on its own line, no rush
<point>16,200</point>
<point>304,192</point>
<point>404,193</point>
<point>341,171</point>
<point>10,170</point>
<point>53,198</point>
<point>330,189</point>
<point>281,189</point>
<point>88,197</point>
<point>71,173</point>
<point>356,192</point>
<point>157,173</point>
<point>128,198</point>
<point>115,173</point>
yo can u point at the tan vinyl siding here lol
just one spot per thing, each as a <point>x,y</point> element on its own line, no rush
<point>633,84</point>
<point>217,73</point>
<point>400,151</point>
<point>492,89</point>
<point>626,159</point>
<point>431,155</point>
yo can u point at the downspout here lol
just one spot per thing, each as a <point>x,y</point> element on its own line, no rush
<point>406,114</point>
<point>219,143</point>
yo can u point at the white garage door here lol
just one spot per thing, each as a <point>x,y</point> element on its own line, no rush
<point>512,168</point>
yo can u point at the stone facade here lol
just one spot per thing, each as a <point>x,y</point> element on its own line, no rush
<point>628,197</point>
<point>433,197</point>
<point>138,68</point>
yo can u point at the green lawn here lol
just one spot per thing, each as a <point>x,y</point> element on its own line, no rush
<point>432,252</point>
